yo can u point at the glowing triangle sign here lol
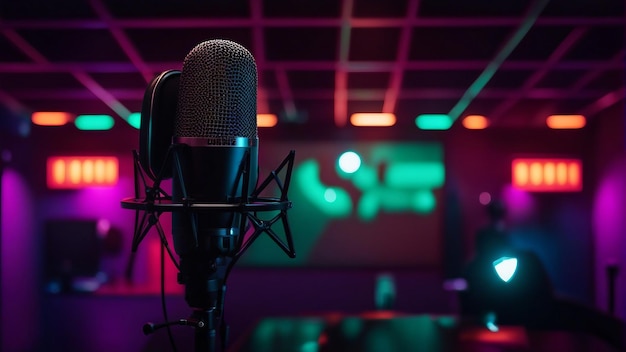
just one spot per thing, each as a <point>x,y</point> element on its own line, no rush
<point>505,267</point>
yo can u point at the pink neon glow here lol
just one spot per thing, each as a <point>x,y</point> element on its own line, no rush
<point>80,171</point>
<point>547,175</point>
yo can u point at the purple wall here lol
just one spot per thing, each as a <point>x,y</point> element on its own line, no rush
<point>20,295</point>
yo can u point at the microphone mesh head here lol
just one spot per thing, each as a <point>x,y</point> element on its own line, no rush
<point>217,94</point>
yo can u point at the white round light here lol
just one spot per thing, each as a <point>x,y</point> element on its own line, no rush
<point>349,162</point>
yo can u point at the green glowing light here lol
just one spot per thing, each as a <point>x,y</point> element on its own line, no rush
<point>411,175</point>
<point>309,346</point>
<point>351,327</point>
<point>94,122</point>
<point>134,120</point>
<point>385,291</point>
<point>424,201</point>
<point>446,321</point>
<point>330,195</point>
<point>365,178</point>
<point>433,122</point>
<point>307,178</point>
<point>368,206</point>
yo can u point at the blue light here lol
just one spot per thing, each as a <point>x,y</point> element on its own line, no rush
<point>505,267</point>
<point>490,322</point>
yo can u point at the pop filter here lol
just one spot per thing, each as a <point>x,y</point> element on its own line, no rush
<point>158,112</point>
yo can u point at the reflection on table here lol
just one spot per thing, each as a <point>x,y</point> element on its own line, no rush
<point>392,331</point>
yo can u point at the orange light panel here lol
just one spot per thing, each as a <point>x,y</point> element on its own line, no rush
<point>547,175</point>
<point>381,119</point>
<point>51,118</point>
<point>266,120</point>
<point>71,172</point>
<point>475,122</point>
<point>566,121</point>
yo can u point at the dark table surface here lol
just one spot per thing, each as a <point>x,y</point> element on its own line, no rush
<point>386,331</point>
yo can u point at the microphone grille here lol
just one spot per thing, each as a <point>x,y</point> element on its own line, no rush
<point>218,92</point>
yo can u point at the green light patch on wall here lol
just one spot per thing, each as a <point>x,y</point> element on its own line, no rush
<point>94,122</point>
<point>341,206</point>
<point>389,177</point>
<point>415,175</point>
<point>333,201</point>
<point>134,120</point>
<point>433,122</point>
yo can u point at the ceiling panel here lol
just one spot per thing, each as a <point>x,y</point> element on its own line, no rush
<point>319,61</point>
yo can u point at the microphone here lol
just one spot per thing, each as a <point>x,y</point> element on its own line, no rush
<point>199,129</point>
<point>216,144</point>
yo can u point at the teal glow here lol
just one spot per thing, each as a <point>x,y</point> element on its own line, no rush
<point>307,178</point>
<point>394,200</point>
<point>424,201</point>
<point>282,334</point>
<point>394,178</point>
<point>134,120</point>
<point>492,327</point>
<point>351,327</point>
<point>433,122</point>
<point>94,122</point>
<point>411,175</point>
<point>385,292</point>
<point>446,321</point>
<point>365,178</point>
<point>309,346</point>
<point>349,162</point>
<point>485,76</point>
<point>490,322</point>
<point>505,267</point>
<point>368,206</point>
<point>330,195</point>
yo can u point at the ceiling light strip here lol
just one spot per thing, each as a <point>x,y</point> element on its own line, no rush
<point>402,56</point>
<point>556,56</point>
<point>341,76</point>
<point>196,23</point>
<point>50,118</point>
<point>566,121</point>
<point>475,122</point>
<point>604,102</point>
<point>486,75</point>
<point>258,50</point>
<point>122,40</point>
<point>370,119</point>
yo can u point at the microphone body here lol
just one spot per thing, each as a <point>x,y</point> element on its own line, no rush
<point>215,141</point>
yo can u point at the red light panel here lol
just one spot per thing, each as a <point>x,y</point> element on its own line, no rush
<point>71,172</point>
<point>547,175</point>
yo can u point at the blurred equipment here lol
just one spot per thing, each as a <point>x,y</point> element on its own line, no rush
<point>72,255</point>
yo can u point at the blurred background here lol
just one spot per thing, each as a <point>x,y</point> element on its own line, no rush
<point>407,118</point>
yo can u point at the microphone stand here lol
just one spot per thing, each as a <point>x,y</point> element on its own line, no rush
<point>204,273</point>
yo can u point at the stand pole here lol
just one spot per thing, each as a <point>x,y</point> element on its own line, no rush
<point>205,334</point>
<point>611,271</point>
